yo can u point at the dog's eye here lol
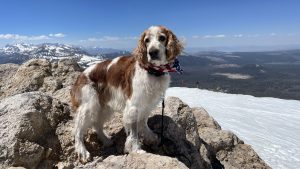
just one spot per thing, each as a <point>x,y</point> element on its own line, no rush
<point>147,40</point>
<point>162,38</point>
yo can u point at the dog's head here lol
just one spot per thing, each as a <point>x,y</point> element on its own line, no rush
<point>158,46</point>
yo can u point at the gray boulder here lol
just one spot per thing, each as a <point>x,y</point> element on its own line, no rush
<point>40,75</point>
<point>133,160</point>
<point>6,72</point>
<point>29,77</point>
<point>181,138</point>
<point>224,146</point>
<point>27,128</point>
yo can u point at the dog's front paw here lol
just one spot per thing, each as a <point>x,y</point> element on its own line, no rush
<point>84,156</point>
<point>132,145</point>
<point>140,151</point>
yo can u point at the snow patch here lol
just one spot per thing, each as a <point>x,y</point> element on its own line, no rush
<point>270,125</point>
<point>233,75</point>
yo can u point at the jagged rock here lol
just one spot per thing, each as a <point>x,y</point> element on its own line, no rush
<point>133,160</point>
<point>66,140</point>
<point>29,77</point>
<point>204,119</point>
<point>219,139</point>
<point>40,75</point>
<point>65,72</point>
<point>64,67</point>
<point>6,73</point>
<point>28,154</point>
<point>181,138</point>
<point>224,146</point>
<point>241,156</point>
<point>27,125</point>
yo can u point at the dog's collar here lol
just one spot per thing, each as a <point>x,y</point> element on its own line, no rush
<point>161,70</point>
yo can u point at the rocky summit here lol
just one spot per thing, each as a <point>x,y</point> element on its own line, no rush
<point>36,125</point>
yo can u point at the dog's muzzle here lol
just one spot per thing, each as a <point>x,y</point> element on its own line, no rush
<point>154,54</point>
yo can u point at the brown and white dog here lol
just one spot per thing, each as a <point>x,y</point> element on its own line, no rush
<point>124,84</point>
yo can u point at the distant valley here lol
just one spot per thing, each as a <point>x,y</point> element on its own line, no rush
<point>262,74</point>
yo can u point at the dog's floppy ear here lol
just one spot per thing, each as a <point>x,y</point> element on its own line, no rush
<point>174,46</point>
<point>140,51</point>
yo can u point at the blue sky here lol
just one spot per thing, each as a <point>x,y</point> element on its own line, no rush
<point>118,23</point>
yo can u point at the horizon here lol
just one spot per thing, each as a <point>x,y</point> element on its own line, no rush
<point>118,24</point>
<point>189,50</point>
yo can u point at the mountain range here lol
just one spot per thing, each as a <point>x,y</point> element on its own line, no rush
<point>21,52</point>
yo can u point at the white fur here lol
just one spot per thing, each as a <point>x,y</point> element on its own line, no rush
<point>147,91</point>
<point>154,33</point>
<point>88,70</point>
<point>89,115</point>
<point>114,61</point>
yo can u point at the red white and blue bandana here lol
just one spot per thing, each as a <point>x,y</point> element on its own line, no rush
<point>163,69</point>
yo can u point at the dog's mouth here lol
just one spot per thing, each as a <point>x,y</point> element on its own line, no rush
<point>157,62</point>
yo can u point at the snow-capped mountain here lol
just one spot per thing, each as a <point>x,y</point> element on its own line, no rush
<point>20,48</point>
<point>269,125</point>
<point>19,53</point>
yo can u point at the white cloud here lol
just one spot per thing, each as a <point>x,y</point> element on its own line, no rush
<point>104,39</point>
<point>273,34</point>
<point>209,36</point>
<point>41,37</point>
<point>57,35</point>
<point>90,39</point>
<point>238,35</point>
<point>254,35</point>
<point>110,38</point>
<point>22,37</point>
<point>131,38</point>
<point>214,36</point>
<point>30,38</point>
<point>220,36</point>
<point>7,36</point>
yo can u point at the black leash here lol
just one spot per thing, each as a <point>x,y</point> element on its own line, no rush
<point>162,121</point>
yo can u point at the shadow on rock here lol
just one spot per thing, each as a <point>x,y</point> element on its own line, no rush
<point>174,143</point>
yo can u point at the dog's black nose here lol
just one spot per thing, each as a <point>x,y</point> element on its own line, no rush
<point>154,54</point>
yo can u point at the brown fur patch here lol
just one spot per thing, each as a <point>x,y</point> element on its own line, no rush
<point>76,90</point>
<point>120,74</point>
<point>99,73</point>
<point>174,46</point>
<point>140,51</point>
